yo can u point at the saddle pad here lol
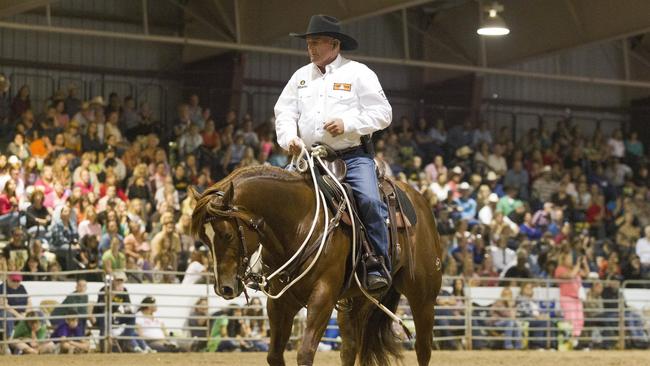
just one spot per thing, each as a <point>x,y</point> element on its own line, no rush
<point>407,206</point>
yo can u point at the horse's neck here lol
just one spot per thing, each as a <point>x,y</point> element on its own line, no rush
<point>287,209</point>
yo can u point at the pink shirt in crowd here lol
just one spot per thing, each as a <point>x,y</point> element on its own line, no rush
<point>570,288</point>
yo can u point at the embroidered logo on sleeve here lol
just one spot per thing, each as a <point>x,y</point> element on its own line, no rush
<point>342,86</point>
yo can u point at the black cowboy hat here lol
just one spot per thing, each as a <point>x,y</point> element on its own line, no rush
<point>328,26</point>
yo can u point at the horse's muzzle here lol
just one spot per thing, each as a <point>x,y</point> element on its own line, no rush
<point>227,292</point>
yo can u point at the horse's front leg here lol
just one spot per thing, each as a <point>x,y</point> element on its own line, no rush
<point>319,308</point>
<point>281,316</point>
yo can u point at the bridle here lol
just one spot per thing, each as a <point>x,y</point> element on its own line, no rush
<point>242,221</point>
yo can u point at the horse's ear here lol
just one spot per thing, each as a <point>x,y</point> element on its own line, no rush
<point>193,193</point>
<point>228,195</point>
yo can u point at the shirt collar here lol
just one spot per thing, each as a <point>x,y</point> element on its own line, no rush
<point>332,66</point>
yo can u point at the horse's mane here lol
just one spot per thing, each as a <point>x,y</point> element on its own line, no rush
<point>207,206</point>
<point>258,171</point>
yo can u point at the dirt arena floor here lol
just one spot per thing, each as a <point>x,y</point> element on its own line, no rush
<point>475,358</point>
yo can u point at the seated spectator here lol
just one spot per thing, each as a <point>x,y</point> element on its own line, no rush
<point>64,238</point>
<point>628,232</point>
<point>70,328</point>
<point>496,162</point>
<point>151,329</point>
<point>529,229</point>
<point>519,269</point>
<point>198,323</point>
<point>507,203</point>
<point>76,304</point>
<point>238,331</point>
<point>17,303</point>
<point>528,310</point>
<point>16,250</point>
<point>190,140</point>
<point>197,266</point>
<point>234,153</point>
<point>38,217</point>
<point>91,141</point>
<point>167,239</point>
<point>517,177</point>
<point>33,268</point>
<point>10,315</point>
<point>596,316</point>
<point>31,334</point>
<point>121,312</point>
<point>643,250</point>
<point>140,190</point>
<point>466,203</point>
<point>8,207</point>
<point>89,258</point>
<point>256,324</point>
<point>634,147</point>
<point>450,313</point>
<point>502,256</point>
<point>112,232</point>
<point>503,313</point>
<point>18,147</point>
<point>136,246</point>
<point>90,225</point>
<point>486,213</point>
<point>211,138</point>
<point>113,259</point>
<point>544,186</point>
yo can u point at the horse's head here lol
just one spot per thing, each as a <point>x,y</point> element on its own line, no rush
<point>231,234</point>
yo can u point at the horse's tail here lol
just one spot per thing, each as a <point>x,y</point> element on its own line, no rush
<point>376,342</point>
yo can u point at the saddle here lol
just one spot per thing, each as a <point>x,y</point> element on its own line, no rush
<point>401,217</point>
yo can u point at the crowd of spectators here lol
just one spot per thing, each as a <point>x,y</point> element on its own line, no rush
<point>104,185</point>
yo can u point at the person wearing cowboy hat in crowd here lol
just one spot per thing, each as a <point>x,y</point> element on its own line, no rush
<point>486,213</point>
<point>455,177</point>
<point>463,158</point>
<point>466,204</point>
<point>492,181</point>
<point>84,116</point>
<point>152,329</point>
<point>121,311</point>
<point>337,101</point>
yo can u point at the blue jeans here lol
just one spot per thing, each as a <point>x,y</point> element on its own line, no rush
<point>512,333</point>
<point>129,330</point>
<point>9,220</point>
<point>361,176</point>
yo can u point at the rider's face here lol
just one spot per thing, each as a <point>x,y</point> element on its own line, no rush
<point>322,49</point>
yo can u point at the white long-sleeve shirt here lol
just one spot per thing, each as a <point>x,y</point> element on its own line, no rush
<point>348,90</point>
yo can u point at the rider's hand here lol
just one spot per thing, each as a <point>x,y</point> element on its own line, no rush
<point>335,127</point>
<point>295,145</point>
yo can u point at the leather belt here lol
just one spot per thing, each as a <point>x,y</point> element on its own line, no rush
<point>358,149</point>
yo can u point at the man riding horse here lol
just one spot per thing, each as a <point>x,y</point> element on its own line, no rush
<point>271,213</point>
<point>337,101</point>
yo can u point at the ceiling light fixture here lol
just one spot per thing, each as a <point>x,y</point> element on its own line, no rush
<point>493,25</point>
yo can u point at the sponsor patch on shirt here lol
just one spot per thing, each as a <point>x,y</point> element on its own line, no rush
<point>302,84</point>
<point>342,86</point>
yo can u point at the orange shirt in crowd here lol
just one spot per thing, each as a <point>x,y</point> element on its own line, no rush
<point>38,148</point>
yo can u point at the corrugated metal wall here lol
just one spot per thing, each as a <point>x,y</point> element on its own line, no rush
<point>604,61</point>
<point>91,52</point>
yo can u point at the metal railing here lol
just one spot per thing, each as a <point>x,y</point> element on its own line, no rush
<point>471,319</point>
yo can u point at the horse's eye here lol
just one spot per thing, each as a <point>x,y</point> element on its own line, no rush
<point>228,237</point>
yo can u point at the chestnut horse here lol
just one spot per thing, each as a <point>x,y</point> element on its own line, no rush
<point>274,208</point>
